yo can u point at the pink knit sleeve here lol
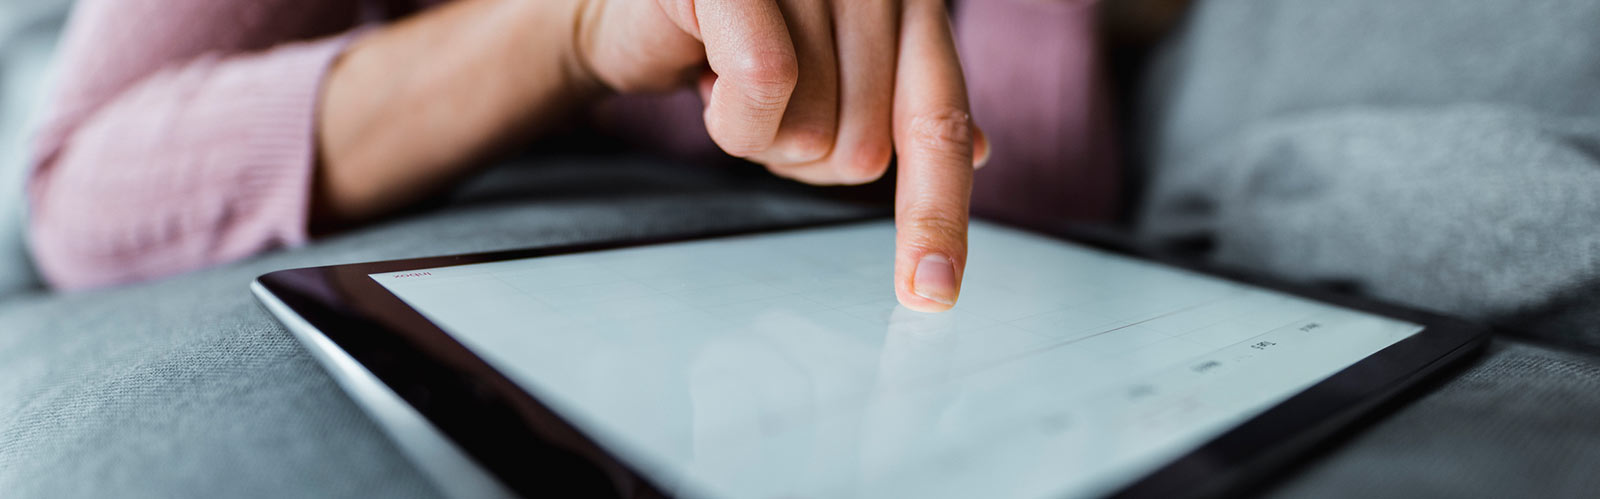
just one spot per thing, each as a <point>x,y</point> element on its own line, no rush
<point>181,135</point>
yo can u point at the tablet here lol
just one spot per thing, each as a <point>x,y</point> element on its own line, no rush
<point>778,364</point>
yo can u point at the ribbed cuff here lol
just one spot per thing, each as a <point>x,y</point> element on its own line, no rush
<point>279,98</point>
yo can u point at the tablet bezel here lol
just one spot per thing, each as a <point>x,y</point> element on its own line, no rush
<point>531,448</point>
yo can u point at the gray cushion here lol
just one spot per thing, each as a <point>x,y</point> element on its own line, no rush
<point>1442,153</point>
<point>1484,212</point>
<point>28,33</point>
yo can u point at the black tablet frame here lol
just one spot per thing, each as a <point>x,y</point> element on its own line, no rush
<point>532,449</point>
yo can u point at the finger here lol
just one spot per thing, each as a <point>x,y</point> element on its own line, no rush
<point>827,172</point>
<point>934,139</point>
<point>749,47</point>
<point>867,38</point>
<point>810,173</point>
<point>866,35</point>
<point>682,13</point>
<point>812,117</point>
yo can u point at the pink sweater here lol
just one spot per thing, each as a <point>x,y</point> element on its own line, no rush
<point>182,133</point>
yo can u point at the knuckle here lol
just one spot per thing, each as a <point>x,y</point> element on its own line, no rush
<point>944,131</point>
<point>724,135</point>
<point>769,78</point>
<point>767,101</point>
<point>930,227</point>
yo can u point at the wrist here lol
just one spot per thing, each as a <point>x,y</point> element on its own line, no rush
<point>554,27</point>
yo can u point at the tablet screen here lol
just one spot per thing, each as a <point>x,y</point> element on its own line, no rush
<point>780,365</point>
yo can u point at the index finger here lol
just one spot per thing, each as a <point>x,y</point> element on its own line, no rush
<point>934,142</point>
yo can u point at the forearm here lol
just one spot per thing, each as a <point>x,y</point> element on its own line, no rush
<point>417,103</point>
<point>203,162</point>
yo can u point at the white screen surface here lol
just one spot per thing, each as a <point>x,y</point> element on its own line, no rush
<point>780,365</point>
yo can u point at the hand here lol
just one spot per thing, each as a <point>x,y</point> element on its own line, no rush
<point>821,91</point>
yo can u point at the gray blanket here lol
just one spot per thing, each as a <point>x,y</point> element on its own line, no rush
<point>1440,153</point>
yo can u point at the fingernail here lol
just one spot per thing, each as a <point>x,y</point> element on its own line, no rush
<point>935,279</point>
<point>988,150</point>
<point>802,147</point>
<point>795,156</point>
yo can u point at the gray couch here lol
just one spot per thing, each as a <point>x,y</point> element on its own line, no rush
<point>1441,168</point>
<point>28,33</point>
